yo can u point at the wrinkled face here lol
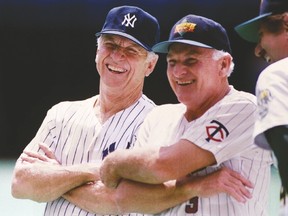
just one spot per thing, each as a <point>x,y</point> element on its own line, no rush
<point>121,63</point>
<point>272,46</point>
<point>193,74</point>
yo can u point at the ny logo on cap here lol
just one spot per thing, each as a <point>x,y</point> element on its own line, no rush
<point>129,20</point>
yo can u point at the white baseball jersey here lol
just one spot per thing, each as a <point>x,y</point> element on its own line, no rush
<point>76,136</point>
<point>272,97</point>
<point>226,130</point>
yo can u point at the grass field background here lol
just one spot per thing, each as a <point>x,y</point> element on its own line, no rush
<point>10,206</point>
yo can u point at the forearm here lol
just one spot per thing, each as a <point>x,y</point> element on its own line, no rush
<point>132,196</point>
<point>134,164</point>
<point>93,197</point>
<point>151,199</point>
<point>128,197</point>
<point>154,165</point>
<point>46,182</point>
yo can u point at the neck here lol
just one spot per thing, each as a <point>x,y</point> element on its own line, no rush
<point>197,111</point>
<point>109,103</point>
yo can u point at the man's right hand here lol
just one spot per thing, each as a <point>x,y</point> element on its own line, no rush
<point>223,180</point>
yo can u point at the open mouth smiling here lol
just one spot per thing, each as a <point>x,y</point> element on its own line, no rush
<point>185,83</point>
<point>116,69</point>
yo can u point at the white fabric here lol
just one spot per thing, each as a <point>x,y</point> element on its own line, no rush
<point>75,134</point>
<point>272,99</point>
<point>232,146</point>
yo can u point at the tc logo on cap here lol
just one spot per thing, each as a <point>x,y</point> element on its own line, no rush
<point>129,20</point>
<point>183,28</point>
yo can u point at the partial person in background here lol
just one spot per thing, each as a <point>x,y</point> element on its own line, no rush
<point>211,127</point>
<point>269,31</point>
<point>64,172</point>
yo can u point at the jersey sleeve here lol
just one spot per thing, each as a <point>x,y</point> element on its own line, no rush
<point>161,125</point>
<point>272,93</point>
<point>45,133</point>
<point>226,130</point>
<point>144,131</point>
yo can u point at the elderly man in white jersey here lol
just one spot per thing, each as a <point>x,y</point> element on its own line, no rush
<point>64,172</point>
<point>212,127</point>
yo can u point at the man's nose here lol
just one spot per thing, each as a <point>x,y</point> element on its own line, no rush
<point>179,71</point>
<point>118,53</point>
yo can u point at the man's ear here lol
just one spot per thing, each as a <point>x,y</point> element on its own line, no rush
<point>225,63</point>
<point>285,18</point>
<point>151,64</point>
<point>285,21</point>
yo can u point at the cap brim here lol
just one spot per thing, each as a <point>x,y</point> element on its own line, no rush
<point>124,35</point>
<point>249,29</point>
<point>163,47</point>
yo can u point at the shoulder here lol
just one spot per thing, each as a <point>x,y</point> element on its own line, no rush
<point>235,103</point>
<point>141,107</point>
<point>168,110</point>
<point>145,101</point>
<point>240,97</point>
<point>276,70</point>
<point>65,106</point>
<point>279,65</point>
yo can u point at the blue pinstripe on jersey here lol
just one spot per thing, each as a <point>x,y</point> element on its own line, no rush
<point>73,132</point>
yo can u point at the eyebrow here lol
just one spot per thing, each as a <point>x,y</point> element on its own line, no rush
<point>111,38</point>
<point>130,44</point>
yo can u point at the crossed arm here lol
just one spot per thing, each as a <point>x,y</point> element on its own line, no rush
<point>42,178</point>
<point>156,164</point>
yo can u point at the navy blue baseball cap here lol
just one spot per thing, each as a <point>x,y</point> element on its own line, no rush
<point>198,31</point>
<point>133,23</point>
<point>249,29</point>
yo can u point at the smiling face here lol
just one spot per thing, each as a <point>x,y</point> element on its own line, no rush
<point>273,39</point>
<point>122,64</point>
<point>197,79</point>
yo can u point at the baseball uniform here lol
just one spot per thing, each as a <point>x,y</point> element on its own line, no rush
<point>272,96</point>
<point>76,136</point>
<point>226,130</point>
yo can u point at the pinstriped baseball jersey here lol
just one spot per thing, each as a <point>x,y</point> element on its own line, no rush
<point>73,132</point>
<point>271,91</point>
<point>226,130</point>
